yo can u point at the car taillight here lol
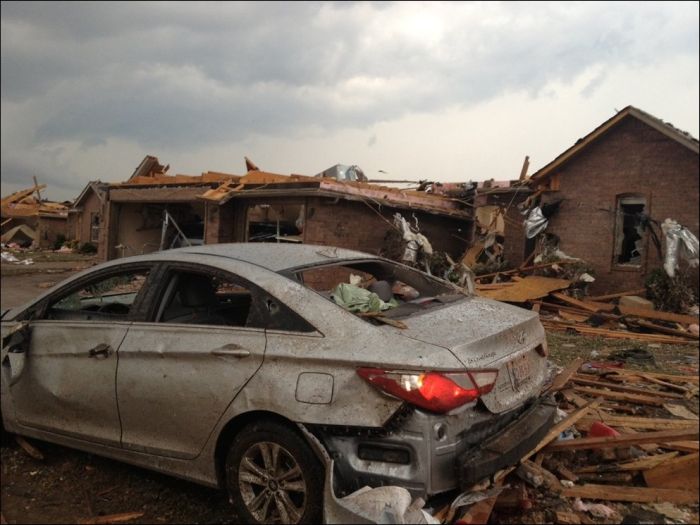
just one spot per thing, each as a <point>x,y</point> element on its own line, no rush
<point>433,391</point>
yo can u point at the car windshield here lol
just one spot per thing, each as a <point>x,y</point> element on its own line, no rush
<point>378,291</point>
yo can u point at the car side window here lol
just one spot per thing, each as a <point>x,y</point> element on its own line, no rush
<point>201,298</point>
<point>106,298</point>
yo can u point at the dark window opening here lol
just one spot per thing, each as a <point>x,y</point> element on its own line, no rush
<point>629,231</point>
<point>277,222</point>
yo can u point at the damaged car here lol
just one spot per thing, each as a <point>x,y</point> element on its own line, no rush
<point>269,370</point>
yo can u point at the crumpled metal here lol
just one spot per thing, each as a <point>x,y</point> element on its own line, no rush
<point>680,241</point>
<point>535,223</point>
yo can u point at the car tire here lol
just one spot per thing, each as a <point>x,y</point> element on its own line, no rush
<point>273,476</point>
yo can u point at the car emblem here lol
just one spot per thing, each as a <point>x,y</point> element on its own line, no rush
<point>521,337</point>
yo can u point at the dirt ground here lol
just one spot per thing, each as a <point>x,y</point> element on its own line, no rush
<point>69,486</point>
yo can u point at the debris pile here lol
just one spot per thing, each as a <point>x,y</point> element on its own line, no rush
<point>623,438</point>
<point>624,315</point>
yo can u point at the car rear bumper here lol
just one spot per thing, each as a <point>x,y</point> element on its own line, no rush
<point>506,447</point>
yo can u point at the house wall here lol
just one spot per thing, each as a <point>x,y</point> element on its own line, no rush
<point>78,225</point>
<point>631,158</point>
<point>49,228</point>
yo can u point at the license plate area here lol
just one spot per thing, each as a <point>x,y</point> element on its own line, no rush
<point>519,371</point>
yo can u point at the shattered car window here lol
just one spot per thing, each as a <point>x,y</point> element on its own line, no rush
<point>103,299</point>
<point>378,290</point>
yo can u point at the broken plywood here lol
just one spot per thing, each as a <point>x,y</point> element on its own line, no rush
<point>531,287</point>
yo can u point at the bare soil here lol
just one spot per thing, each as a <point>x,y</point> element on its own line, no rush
<point>69,486</point>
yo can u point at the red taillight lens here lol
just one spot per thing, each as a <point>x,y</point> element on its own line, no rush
<point>432,391</point>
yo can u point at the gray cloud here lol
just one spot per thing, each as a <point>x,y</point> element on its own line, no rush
<point>190,74</point>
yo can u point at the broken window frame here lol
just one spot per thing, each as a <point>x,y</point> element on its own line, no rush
<point>271,204</point>
<point>136,312</point>
<point>628,199</point>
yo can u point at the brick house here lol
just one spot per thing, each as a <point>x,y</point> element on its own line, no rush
<point>632,166</point>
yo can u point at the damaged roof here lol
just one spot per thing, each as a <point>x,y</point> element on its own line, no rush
<point>264,184</point>
<point>682,137</point>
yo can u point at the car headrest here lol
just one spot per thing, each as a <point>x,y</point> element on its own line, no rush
<point>196,290</point>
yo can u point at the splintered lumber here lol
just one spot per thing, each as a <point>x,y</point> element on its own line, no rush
<point>620,396</point>
<point>666,377</point>
<point>664,436</point>
<point>677,473</point>
<point>574,398</point>
<point>645,423</point>
<point>664,383</point>
<point>615,334</point>
<point>636,465</point>
<point>656,314</point>
<point>584,305</point>
<point>530,471</point>
<point>616,295</point>
<point>531,287</point>
<point>636,494</point>
<point>563,377</point>
<point>561,426</point>
<point>622,388</point>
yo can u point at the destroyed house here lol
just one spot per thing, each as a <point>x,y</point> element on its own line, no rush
<point>28,218</point>
<point>613,188</point>
<point>153,210</point>
<point>268,207</point>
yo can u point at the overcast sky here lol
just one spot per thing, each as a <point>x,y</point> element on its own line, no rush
<point>451,92</point>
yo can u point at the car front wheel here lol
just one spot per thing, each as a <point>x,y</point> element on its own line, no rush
<point>272,476</point>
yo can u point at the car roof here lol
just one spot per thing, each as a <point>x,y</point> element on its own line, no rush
<point>276,257</point>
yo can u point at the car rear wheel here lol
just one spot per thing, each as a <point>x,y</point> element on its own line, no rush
<point>272,476</point>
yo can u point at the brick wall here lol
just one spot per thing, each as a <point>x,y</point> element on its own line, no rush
<point>353,225</point>
<point>630,158</point>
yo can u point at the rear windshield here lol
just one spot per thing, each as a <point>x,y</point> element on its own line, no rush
<point>380,292</point>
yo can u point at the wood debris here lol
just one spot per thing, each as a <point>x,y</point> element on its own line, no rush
<point>562,308</point>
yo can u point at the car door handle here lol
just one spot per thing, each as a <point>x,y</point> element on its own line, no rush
<point>232,350</point>
<point>102,349</point>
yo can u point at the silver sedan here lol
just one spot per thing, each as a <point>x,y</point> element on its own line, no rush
<point>255,367</point>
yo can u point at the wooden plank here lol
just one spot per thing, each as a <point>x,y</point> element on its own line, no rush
<point>563,377</point>
<point>619,396</point>
<point>111,518</point>
<point>666,384</point>
<point>526,269</point>
<point>636,465</point>
<point>579,318</point>
<point>622,388</point>
<point>644,423</point>
<point>584,305</point>
<point>655,314</point>
<point>640,291</point>
<point>682,446</point>
<point>593,443</point>
<point>677,473</point>
<point>615,334</point>
<point>680,378</point>
<point>561,426</point>
<point>29,448</point>
<point>531,287</point>
<point>665,329</point>
<point>681,411</point>
<point>635,494</point>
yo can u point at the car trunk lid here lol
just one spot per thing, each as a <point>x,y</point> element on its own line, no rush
<point>486,334</point>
